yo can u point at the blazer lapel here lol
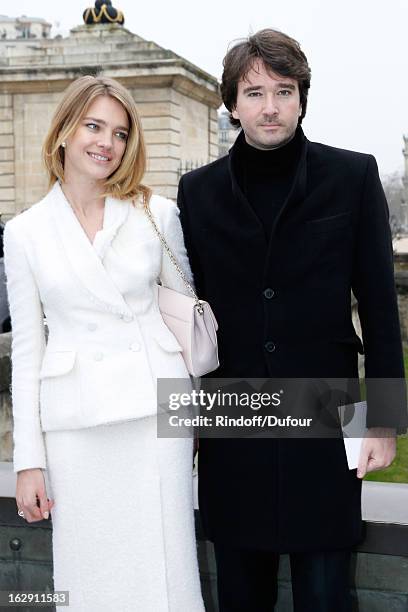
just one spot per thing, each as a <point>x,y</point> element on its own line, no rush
<point>84,258</point>
<point>116,213</point>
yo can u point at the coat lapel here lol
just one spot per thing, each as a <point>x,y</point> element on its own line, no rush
<point>86,259</point>
<point>240,198</point>
<point>296,195</point>
<point>297,192</point>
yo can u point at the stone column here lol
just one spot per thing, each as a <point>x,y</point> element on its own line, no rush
<point>7,180</point>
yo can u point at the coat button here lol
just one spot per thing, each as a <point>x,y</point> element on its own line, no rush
<point>269,293</point>
<point>92,326</point>
<point>135,347</point>
<point>98,356</point>
<point>270,346</point>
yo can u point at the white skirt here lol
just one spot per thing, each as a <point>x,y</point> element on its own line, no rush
<point>123,522</point>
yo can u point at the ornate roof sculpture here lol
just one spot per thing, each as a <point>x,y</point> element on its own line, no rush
<point>103,12</point>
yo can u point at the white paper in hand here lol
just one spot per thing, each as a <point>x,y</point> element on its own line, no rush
<point>353,423</point>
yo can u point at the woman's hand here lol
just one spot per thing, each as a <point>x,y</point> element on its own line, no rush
<point>31,495</point>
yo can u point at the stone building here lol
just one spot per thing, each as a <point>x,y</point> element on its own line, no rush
<point>23,27</point>
<point>177,101</point>
<point>227,133</point>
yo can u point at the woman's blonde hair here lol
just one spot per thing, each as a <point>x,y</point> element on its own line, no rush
<point>125,182</point>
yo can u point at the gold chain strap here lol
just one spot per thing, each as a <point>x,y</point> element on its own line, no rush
<point>173,259</point>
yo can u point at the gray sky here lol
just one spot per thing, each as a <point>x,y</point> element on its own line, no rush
<point>357,50</point>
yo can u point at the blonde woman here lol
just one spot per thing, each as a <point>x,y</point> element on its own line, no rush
<point>84,402</point>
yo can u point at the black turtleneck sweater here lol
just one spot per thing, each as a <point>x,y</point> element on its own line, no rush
<point>266,177</point>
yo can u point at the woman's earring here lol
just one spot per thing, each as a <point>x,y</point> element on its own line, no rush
<point>63,144</point>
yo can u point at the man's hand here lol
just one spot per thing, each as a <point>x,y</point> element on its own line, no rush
<point>377,450</point>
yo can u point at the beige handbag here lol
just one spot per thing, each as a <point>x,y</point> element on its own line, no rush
<point>190,320</point>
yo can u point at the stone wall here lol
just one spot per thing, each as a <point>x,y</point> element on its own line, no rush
<point>177,129</point>
<point>177,101</point>
<point>7,155</point>
<point>199,136</point>
<point>6,423</point>
<point>32,114</point>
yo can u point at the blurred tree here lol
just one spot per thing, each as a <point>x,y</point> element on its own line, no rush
<point>394,191</point>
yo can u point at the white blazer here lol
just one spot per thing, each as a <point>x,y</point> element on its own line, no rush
<point>107,342</point>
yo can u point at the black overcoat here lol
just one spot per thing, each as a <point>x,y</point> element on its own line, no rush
<point>284,310</point>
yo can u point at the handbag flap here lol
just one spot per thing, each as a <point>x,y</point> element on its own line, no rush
<point>176,305</point>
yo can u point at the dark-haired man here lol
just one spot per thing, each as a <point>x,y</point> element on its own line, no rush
<point>278,234</point>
